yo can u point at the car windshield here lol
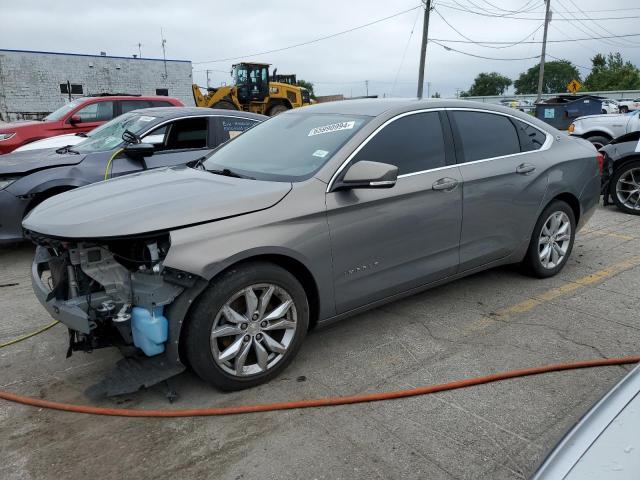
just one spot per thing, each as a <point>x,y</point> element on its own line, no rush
<point>290,147</point>
<point>62,111</point>
<point>109,135</point>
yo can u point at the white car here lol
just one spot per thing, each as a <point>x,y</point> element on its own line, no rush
<point>72,139</point>
<point>601,129</point>
<point>628,104</point>
<point>610,106</point>
<point>53,142</point>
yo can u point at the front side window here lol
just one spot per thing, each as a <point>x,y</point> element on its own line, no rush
<point>109,135</point>
<point>63,111</point>
<point>485,135</point>
<point>290,147</point>
<point>187,133</point>
<point>96,112</point>
<point>412,143</point>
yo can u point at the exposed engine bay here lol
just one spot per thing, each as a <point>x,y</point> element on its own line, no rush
<point>114,293</point>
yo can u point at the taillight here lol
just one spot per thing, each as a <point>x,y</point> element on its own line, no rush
<point>600,160</point>
<point>571,128</point>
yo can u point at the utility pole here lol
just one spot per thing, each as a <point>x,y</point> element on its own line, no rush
<point>207,77</point>
<point>366,84</point>
<point>164,53</point>
<point>547,19</point>
<point>139,50</point>
<point>423,48</point>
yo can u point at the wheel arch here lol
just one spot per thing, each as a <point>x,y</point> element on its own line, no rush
<point>571,200</point>
<point>597,133</point>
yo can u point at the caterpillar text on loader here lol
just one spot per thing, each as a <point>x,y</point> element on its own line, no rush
<point>253,92</point>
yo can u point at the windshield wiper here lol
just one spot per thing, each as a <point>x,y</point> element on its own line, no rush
<point>229,173</point>
<point>67,149</point>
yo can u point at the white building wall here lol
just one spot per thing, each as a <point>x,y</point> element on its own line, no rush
<point>30,81</point>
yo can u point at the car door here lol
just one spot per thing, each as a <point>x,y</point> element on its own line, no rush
<point>501,165</point>
<point>387,241</point>
<point>184,140</point>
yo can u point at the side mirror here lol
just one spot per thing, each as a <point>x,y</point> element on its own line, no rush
<point>139,150</point>
<point>366,174</point>
<point>75,119</point>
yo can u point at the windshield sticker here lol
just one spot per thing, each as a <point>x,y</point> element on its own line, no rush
<point>334,127</point>
<point>144,118</point>
<point>320,153</point>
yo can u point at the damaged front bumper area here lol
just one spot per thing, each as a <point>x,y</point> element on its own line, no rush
<point>117,293</point>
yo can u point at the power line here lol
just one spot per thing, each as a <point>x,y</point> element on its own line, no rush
<point>310,41</point>
<point>404,53</point>
<point>486,44</point>
<point>480,56</point>
<point>568,39</point>
<point>509,16</point>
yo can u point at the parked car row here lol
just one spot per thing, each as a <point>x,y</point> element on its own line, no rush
<point>314,215</point>
<point>78,116</point>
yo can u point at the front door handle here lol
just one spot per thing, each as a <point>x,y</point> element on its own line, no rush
<point>445,184</point>
<point>525,168</point>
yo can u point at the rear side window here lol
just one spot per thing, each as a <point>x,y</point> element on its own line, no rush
<point>232,127</point>
<point>161,103</point>
<point>413,143</point>
<point>485,135</point>
<point>530,137</point>
<point>130,105</point>
<point>187,133</point>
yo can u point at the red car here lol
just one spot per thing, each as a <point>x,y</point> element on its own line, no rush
<point>81,115</point>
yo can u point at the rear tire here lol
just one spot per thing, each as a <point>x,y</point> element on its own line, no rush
<point>624,109</point>
<point>624,181</point>
<point>247,326</point>
<point>277,109</point>
<point>551,241</point>
<point>224,105</point>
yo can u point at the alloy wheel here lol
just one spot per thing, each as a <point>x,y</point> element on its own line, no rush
<point>554,240</point>
<point>628,189</point>
<point>253,330</point>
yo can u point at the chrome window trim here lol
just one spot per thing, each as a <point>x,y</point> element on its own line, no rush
<point>547,144</point>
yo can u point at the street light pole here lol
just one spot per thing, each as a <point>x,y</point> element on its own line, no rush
<point>547,19</point>
<point>423,48</point>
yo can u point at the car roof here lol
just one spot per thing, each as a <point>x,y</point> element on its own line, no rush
<point>107,98</point>
<point>378,106</point>
<point>174,112</point>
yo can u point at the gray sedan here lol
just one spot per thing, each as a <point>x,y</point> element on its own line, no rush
<point>317,214</point>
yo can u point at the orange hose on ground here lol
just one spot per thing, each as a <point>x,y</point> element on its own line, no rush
<point>321,402</point>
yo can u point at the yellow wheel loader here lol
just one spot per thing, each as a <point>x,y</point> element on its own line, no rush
<point>253,91</point>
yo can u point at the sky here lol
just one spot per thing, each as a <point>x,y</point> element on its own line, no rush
<point>385,54</point>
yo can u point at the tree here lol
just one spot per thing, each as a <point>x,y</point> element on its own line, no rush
<point>436,95</point>
<point>488,84</point>
<point>612,73</point>
<point>557,75</point>
<point>308,86</point>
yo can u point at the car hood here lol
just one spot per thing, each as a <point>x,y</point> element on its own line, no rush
<point>157,200</point>
<point>18,125</point>
<point>611,117</point>
<point>20,163</point>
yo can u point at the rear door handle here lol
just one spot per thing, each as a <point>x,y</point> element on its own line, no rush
<point>525,168</point>
<point>445,184</point>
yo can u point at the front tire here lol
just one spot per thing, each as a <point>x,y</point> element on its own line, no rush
<point>624,188</point>
<point>598,141</point>
<point>247,326</point>
<point>624,109</point>
<point>551,241</point>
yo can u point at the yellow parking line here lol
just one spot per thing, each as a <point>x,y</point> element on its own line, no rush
<point>545,297</point>
<point>600,233</point>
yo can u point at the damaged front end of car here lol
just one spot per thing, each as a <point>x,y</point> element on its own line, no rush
<point>117,293</point>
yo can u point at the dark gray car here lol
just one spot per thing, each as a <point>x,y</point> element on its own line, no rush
<point>179,135</point>
<point>320,213</point>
